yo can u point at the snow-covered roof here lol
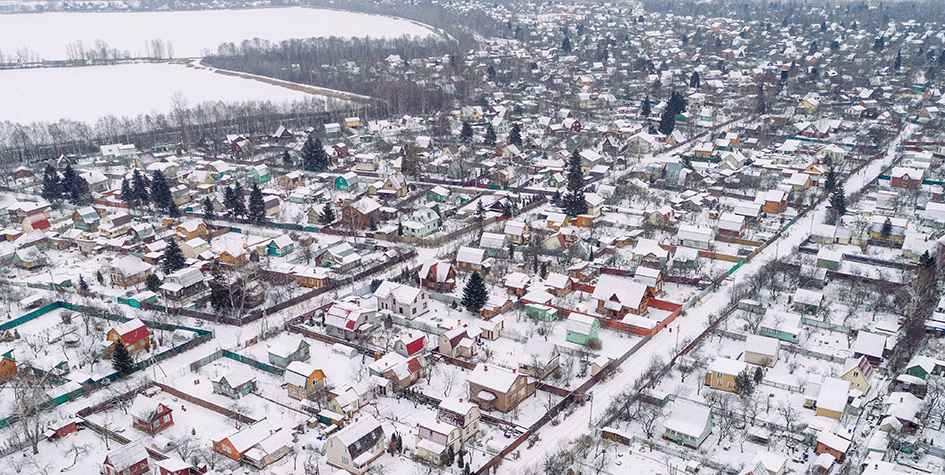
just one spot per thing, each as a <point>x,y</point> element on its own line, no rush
<point>125,456</point>
<point>688,418</point>
<point>130,265</point>
<point>580,323</point>
<point>493,377</point>
<point>762,345</point>
<point>833,394</point>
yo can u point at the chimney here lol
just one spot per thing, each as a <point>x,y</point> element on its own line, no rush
<point>513,370</point>
<point>460,399</point>
<point>485,368</point>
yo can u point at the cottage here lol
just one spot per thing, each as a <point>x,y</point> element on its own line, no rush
<point>495,245</point>
<point>722,373</point>
<point>409,344</point>
<point>832,444</point>
<point>287,350</point>
<point>694,236</point>
<point>497,388</point>
<point>291,180</point>
<point>356,446</point>
<point>86,218</point>
<point>258,174</point>
<point>174,466</point>
<point>406,301</point>
<point>347,181</point>
<point>858,372</point>
<point>438,194</point>
<point>438,276</point>
<point>808,301</point>
<point>581,329</point>
<point>516,231</point>
<point>832,399</point>
<point>618,297</point>
<point>781,325</point>
<point>361,214</point>
<point>150,416</point>
<point>130,459</point>
<point>128,270</point>
<point>7,365</point>
<point>302,379</point>
<point>871,345</point>
<point>133,334</point>
<point>422,222</point>
<point>394,186</point>
<point>235,384</point>
<point>653,278</point>
<point>239,443</point>
<point>183,283</point>
<point>192,228</point>
<point>688,424</point>
<point>557,284</point>
<point>193,248</point>
<point>312,277</point>
<point>761,350</point>
<point>349,319</point>
<point>280,246</point>
<point>435,439</point>
<point>471,259</point>
<point>29,258</point>
<point>460,342</point>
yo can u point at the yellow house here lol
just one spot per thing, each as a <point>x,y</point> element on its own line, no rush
<point>832,398</point>
<point>133,334</point>
<point>809,105</point>
<point>858,373</point>
<point>722,373</point>
<point>394,186</point>
<point>303,379</point>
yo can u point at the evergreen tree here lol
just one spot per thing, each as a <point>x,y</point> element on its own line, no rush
<point>287,159</point>
<point>327,215</point>
<point>79,194</point>
<point>760,105</point>
<point>314,158</point>
<point>139,186</point>
<point>646,109</point>
<point>667,122</point>
<point>66,181</point>
<point>515,135</point>
<point>121,360</point>
<point>209,214</point>
<point>566,45</point>
<point>173,258</point>
<point>152,283</point>
<point>694,80</point>
<point>83,285</point>
<point>466,132</point>
<point>239,201</point>
<point>898,63</point>
<point>744,385</point>
<point>687,162</point>
<point>220,296</point>
<point>574,202</point>
<point>830,179</point>
<point>759,375</point>
<point>886,230</point>
<point>160,192</point>
<point>838,200</point>
<point>127,193</point>
<point>489,139</point>
<point>257,207</point>
<point>450,455</point>
<point>475,294</point>
<point>51,189</point>
<point>173,211</point>
<point>490,71</point>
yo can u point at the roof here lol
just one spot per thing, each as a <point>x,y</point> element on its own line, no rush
<point>287,346</point>
<point>727,366</point>
<point>617,289</point>
<point>492,241</point>
<point>355,432</point>
<point>365,206</point>
<point>833,394</point>
<point>399,292</point>
<point>834,441</point>
<point>244,439</point>
<point>127,455</point>
<point>762,345</point>
<point>580,323</point>
<point>869,344</point>
<point>132,331</point>
<point>298,372</point>
<point>470,255</point>
<point>688,418</point>
<point>439,270</point>
<point>130,265</point>
<point>493,377</point>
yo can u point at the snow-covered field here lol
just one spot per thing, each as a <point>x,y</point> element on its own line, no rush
<point>50,36</point>
<point>125,90</point>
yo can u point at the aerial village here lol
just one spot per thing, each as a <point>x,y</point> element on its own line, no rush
<point>654,244</point>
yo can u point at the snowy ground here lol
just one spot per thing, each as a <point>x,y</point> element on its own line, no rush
<point>124,90</point>
<point>50,36</point>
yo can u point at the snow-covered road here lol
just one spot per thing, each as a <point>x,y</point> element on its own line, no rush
<point>687,326</point>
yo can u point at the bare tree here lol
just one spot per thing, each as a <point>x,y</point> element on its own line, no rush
<point>29,406</point>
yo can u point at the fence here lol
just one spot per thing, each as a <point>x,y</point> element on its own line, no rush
<point>206,404</point>
<point>194,366</point>
<point>813,354</point>
<point>826,325</point>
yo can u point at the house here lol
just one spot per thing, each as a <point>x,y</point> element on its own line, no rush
<point>394,186</point>
<point>183,283</point>
<point>367,162</point>
<point>341,257</point>
<point>653,278</point>
<point>495,245</point>
<point>86,218</point>
<point>871,345</point>
<point>833,444</point>
<point>688,424</point>
<point>409,344</point>
<point>302,379</point>
<point>235,384</point>
<point>516,232</point>
<point>35,221</point>
<point>356,446</point>
<point>422,222</point>
<point>347,181</point>
<point>29,258</point>
<point>906,178</point>
<point>731,224</point>
<point>830,259</point>
<point>350,399</point>
<point>7,365</point>
<point>435,439</point>
<point>194,247</point>
<point>459,342</point>
<point>238,443</point>
<point>174,466</point>
<point>287,350</point>
<point>648,253</point>
<point>128,270</point>
<point>406,301</point>
<point>114,225</point>
<point>313,277</point>
<point>581,328</point>
<point>361,214</point>
<point>617,297</point>
<point>773,201</point>
<point>280,246</point>
<point>400,370</point>
<point>471,259</point>
<point>291,180</point>
<point>497,388</point>
<point>258,174</point>
<point>762,350</point>
<point>541,312</point>
<point>462,414</point>
<point>349,319</point>
<point>722,373</point>
<point>832,398</point>
<point>495,305</point>
<point>858,372</point>
<point>130,459</point>
<point>133,334</point>
<point>923,366</point>
<point>781,325</point>
<point>896,228</point>
<point>557,284</point>
<point>150,416</point>
<point>808,301</point>
<point>438,276</point>
<point>771,462</point>
<point>271,206</point>
<point>438,194</point>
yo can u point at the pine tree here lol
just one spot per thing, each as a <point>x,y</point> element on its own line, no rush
<point>574,202</point>
<point>314,158</point>
<point>287,159</point>
<point>646,109</point>
<point>220,297</point>
<point>152,283</point>
<point>139,186</point>
<point>744,385</point>
<point>160,192</point>
<point>173,258</point>
<point>209,214</point>
<point>489,139</point>
<point>239,201</point>
<point>66,181</point>
<point>566,45</point>
<point>667,122</point>
<point>830,179</point>
<point>327,216</point>
<point>475,294</point>
<point>83,285</point>
<point>898,63</point>
<point>51,189</point>
<point>466,132</point>
<point>838,200</point>
<point>257,207</point>
<point>121,360</point>
<point>515,135</point>
<point>886,230</point>
<point>79,194</point>
<point>694,80</point>
<point>127,193</point>
<point>760,106</point>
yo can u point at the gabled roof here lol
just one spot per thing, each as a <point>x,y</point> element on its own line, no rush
<point>625,292</point>
<point>127,455</point>
<point>493,377</point>
<point>132,331</point>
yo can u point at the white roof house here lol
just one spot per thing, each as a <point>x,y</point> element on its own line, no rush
<point>833,395</point>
